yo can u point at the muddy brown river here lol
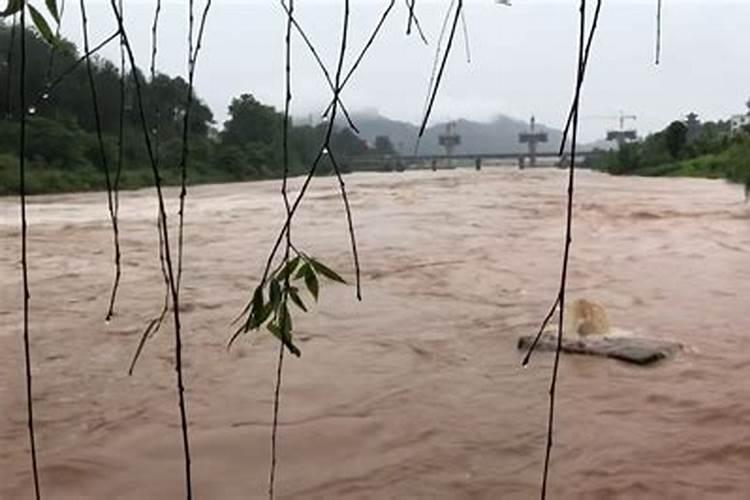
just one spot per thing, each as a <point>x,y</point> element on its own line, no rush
<point>417,391</point>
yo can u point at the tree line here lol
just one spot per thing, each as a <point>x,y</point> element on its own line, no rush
<point>686,148</point>
<point>62,147</point>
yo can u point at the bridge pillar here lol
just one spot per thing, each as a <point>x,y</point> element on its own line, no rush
<point>532,138</point>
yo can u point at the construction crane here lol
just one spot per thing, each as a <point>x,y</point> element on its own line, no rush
<point>621,135</point>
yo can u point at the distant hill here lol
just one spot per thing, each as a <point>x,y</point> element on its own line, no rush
<point>498,136</point>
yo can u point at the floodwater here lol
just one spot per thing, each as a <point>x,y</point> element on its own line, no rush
<point>416,392</point>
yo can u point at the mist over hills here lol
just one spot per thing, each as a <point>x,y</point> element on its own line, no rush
<point>497,136</point>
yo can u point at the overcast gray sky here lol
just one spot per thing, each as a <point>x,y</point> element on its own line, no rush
<point>522,57</point>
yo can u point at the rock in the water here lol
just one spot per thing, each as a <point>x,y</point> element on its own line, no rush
<point>641,351</point>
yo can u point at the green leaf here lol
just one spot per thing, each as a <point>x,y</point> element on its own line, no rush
<point>285,321</point>
<point>256,309</point>
<point>302,271</point>
<point>12,7</point>
<point>275,293</point>
<point>52,8</point>
<point>265,314</point>
<point>42,26</point>
<point>276,331</point>
<point>288,269</point>
<point>327,271</point>
<point>294,295</point>
<point>311,280</point>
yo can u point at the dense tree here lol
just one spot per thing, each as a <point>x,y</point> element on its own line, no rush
<point>675,137</point>
<point>62,143</point>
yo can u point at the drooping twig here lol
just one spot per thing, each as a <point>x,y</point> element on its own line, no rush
<point>321,65</point>
<point>410,4</point>
<point>350,222</point>
<point>167,253</point>
<point>415,20</point>
<point>9,66</point>
<point>103,159</point>
<point>465,27</point>
<point>24,256</point>
<point>434,89</point>
<point>436,62</point>
<point>547,319</point>
<point>287,207</point>
<point>658,32</point>
<point>364,50</point>
<point>192,58</point>
<point>70,69</point>
<point>120,129</point>
<point>154,325</point>
<point>53,49</point>
<point>573,106</point>
<point>580,72</point>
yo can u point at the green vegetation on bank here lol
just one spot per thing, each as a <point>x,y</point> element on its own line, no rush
<point>687,149</point>
<point>62,147</point>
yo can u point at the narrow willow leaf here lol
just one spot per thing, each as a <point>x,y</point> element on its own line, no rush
<point>276,331</point>
<point>256,309</point>
<point>275,293</point>
<point>311,280</point>
<point>52,8</point>
<point>327,271</point>
<point>12,7</point>
<point>288,269</point>
<point>285,321</point>
<point>265,314</point>
<point>294,295</point>
<point>302,271</point>
<point>42,26</point>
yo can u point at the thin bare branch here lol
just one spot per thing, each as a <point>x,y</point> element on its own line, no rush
<point>436,87</point>
<point>24,255</point>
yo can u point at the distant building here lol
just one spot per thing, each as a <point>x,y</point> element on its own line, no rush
<point>738,121</point>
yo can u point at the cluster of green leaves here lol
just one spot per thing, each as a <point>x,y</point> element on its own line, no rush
<point>269,306</point>
<point>41,24</point>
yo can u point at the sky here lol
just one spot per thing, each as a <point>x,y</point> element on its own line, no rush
<point>522,58</point>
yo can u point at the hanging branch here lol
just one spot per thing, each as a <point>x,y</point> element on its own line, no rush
<point>414,19</point>
<point>70,69</point>
<point>167,253</point>
<point>24,256</point>
<point>103,158</point>
<point>154,325</point>
<point>287,250</point>
<point>580,73</point>
<point>466,36</point>
<point>434,90</point>
<point>192,57</point>
<point>54,47</point>
<point>321,65</point>
<point>569,121</point>
<point>256,311</point>
<point>362,53</point>
<point>573,110</point>
<point>9,65</point>
<point>658,32</point>
<point>436,60</point>
<point>120,129</point>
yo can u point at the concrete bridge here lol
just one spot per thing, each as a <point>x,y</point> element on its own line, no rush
<point>477,160</point>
